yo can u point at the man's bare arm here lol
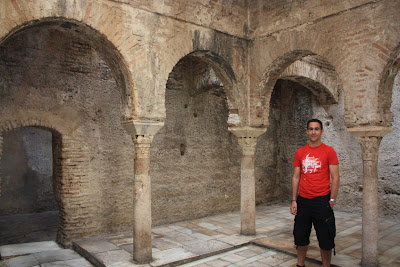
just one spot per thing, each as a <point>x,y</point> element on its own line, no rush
<point>334,172</point>
<point>295,189</point>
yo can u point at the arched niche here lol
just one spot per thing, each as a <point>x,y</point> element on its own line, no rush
<point>195,159</point>
<point>32,182</point>
<point>53,75</point>
<point>96,41</point>
<point>386,87</point>
<point>304,67</point>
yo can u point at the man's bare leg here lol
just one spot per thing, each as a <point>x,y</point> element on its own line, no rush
<point>326,256</point>
<point>301,255</point>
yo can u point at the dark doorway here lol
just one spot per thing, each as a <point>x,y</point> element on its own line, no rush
<point>28,209</point>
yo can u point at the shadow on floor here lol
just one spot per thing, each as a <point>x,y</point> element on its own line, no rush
<point>25,228</point>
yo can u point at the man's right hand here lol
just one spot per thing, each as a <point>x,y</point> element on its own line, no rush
<point>293,208</point>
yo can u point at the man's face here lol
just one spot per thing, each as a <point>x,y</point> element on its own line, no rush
<point>314,131</point>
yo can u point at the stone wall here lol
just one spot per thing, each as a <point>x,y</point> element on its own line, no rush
<point>346,40</point>
<point>228,16</point>
<point>285,14</point>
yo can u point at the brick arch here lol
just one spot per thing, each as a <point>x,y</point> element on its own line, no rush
<point>224,72</point>
<point>69,158</point>
<point>386,87</point>
<point>91,19</point>
<point>304,67</point>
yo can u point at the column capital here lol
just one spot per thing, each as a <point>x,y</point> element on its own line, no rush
<point>370,147</point>
<point>247,131</point>
<point>247,138</point>
<point>145,129</point>
<point>370,138</point>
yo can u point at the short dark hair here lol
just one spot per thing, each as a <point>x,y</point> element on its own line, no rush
<point>315,120</point>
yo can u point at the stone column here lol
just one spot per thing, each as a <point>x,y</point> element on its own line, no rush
<point>142,135</point>
<point>370,139</point>
<point>247,137</point>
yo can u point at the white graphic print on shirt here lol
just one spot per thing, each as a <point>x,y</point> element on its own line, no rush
<point>311,164</point>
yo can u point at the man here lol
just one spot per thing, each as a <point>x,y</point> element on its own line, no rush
<point>315,185</point>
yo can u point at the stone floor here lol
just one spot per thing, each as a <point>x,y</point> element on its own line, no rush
<point>214,241</point>
<point>43,254</point>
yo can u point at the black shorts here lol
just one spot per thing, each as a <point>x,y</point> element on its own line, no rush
<point>316,211</point>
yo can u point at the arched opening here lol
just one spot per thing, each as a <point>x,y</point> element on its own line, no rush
<point>30,184</point>
<point>389,154</point>
<point>60,75</point>
<point>386,87</point>
<point>299,94</point>
<point>195,159</point>
<point>82,41</point>
<point>291,106</point>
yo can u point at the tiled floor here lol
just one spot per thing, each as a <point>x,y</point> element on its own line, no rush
<point>43,254</point>
<point>215,241</point>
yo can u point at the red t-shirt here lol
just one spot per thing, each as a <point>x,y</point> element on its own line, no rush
<point>314,168</point>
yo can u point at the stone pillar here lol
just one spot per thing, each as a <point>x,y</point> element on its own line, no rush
<point>370,139</point>
<point>142,135</point>
<point>247,137</point>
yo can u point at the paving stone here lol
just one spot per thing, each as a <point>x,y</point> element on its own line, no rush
<point>28,248</point>
<point>56,255</point>
<point>344,260</point>
<point>253,264</point>
<point>128,248</point>
<point>122,241</point>
<point>161,230</point>
<point>171,255</point>
<point>113,256</point>
<point>394,251</point>
<point>96,245</point>
<point>21,261</point>
<point>276,259</point>
<point>209,226</point>
<point>126,264</point>
<point>68,263</point>
<point>235,239</point>
<point>233,258</point>
<point>218,263</point>
<point>288,263</point>
<point>179,237</point>
<point>247,253</point>
<point>185,231</point>
<point>164,244</point>
<point>203,237</point>
<point>250,259</point>
<point>205,247</point>
<point>268,254</point>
